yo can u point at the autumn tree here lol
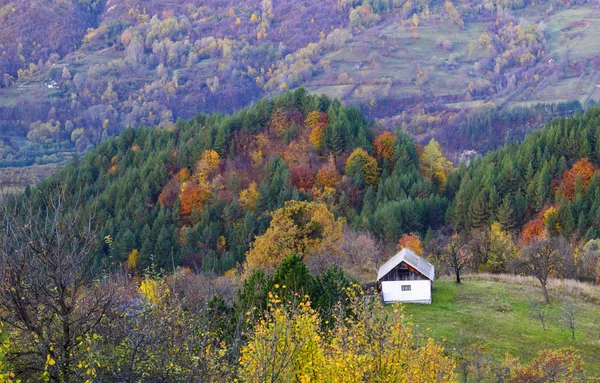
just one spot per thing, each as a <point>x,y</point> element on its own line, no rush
<point>328,177</point>
<point>302,177</point>
<point>208,165</point>
<point>192,197</point>
<point>561,366</point>
<point>48,297</point>
<point>434,165</point>
<point>384,146</point>
<point>361,166</point>
<point>456,255</point>
<point>411,241</point>
<point>299,227</point>
<point>315,118</point>
<point>415,23</point>
<point>249,196</point>
<point>543,258</point>
<point>533,230</point>
<point>289,346</point>
<point>579,174</point>
<point>492,248</point>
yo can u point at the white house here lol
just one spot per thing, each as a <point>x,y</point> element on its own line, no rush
<point>406,277</point>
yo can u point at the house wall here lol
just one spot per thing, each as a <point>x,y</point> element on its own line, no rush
<point>420,291</point>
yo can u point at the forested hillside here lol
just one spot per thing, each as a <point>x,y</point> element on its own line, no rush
<point>550,179</point>
<point>198,193</point>
<point>470,75</point>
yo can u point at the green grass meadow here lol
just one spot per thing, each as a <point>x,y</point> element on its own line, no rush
<point>498,314</point>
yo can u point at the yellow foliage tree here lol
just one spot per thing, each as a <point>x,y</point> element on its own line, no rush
<point>372,345</point>
<point>154,290</point>
<point>133,259</point>
<point>208,165</point>
<point>317,135</point>
<point>299,227</point>
<point>249,196</point>
<point>434,165</point>
<point>361,161</point>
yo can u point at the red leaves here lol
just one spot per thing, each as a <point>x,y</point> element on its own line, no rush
<point>303,177</point>
<point>582,170</point>
<point>532,231</point>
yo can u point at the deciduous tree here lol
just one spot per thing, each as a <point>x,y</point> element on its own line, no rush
<point>299,227</point>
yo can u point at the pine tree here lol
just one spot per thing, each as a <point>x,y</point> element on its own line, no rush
<point>506,215</point>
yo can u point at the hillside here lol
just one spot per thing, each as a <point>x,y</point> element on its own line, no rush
<point>497,312</point>
<point>469,75</point>
<point>198,193</point>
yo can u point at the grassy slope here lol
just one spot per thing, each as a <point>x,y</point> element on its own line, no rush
<point>498,314</point>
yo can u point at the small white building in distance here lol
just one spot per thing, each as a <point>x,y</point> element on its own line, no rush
<point>406,277</point>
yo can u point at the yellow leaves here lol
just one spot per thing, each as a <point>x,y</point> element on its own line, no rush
<point>299,227</point>
<point>208,165</point>
<point>50,361</point>
<point>371,345</point>
<point>133,259</point>
<point>154,290</point>
<point>434,165</point>
<point>257,158</point>
<point>361,161</point>
<point>249,196</point>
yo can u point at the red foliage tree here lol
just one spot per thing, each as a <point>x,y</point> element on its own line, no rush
<point>583,170</point>
<point>303,177</point>
<point>169,194</point>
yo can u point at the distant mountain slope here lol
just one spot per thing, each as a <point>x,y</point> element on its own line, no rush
<point>464,73</point>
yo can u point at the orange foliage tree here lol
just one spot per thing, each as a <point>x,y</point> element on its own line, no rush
<point>411,241</point>
<point>383,146</point>
<point>192,196</point>
<point>533,230</point>
<point>582,170</point>
<point>328,177</point>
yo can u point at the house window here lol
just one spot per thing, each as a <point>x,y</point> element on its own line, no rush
<point>405,287</point>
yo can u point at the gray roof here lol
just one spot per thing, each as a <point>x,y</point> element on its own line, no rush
<point>412,259</point>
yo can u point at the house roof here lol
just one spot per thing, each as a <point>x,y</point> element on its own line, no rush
<point>410,258</point>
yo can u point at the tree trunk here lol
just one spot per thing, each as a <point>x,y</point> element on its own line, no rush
<point>457,275</point>
<point>546,296</point>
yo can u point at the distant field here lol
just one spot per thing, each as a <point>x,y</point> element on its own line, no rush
<point>498,314</point>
